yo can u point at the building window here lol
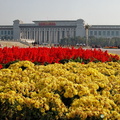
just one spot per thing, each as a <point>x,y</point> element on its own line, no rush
<point>104,33</point>
<point>91,33</point>
<point>108,33</point>
<point>8,37</point>
<point>11,32</point>
<point>112,33</point>
<point>117,33</point>
<point>8,32</point>
<point>1,32</point>
<point>95,32</point>
<point>11,38</point>
<point>99,33</point>
<point>5,32</point>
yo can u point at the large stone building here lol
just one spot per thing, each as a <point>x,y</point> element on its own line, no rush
<point>52,31</point>
<point>105,31</point>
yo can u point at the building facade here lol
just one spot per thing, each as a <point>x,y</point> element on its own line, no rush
<point>51,32</point>
<point>6,32</point>
<point>105,31</point>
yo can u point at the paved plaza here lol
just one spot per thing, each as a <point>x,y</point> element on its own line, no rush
<point>114,51</point>
<point>10,44</point>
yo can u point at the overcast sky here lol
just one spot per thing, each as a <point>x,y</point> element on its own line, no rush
<point>94,12</point>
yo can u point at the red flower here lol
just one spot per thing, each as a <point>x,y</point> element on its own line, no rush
<point>1,66</point>
<point>54,54</point>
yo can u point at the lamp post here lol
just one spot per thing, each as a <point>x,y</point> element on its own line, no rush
<point>86,30</point>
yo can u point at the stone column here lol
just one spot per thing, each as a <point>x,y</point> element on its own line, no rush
<point>44,35</point>
<point>70,32</point>
<point>53,33</point>
<point>37,39</point>
<point>34,33</point>
<point>39,35</point>
<point>73,33</point>
<point>49,41</point>
<point>50,36</point>
<point>55,39</point>
<point>30,35</point>
<point>23,33</point>
<point>26,34</point>
<point>60,34</point>
<point>56,36</point>
<point>65,32</point>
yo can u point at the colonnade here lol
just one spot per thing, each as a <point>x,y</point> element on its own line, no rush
<point>46,35</point>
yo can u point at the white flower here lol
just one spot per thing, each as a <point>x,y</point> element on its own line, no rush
<point>102,116</point>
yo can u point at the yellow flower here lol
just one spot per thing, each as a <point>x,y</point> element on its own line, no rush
<point>11,100</point>
<point>20,99</point>
<point>95,86</point>
<point>19,108</point>
<point>42,110</point>
<point>36,104</point>
<point>46,107</point>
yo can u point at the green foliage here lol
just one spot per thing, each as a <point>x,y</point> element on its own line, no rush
<point>91,41</point>
<point>9,112</point>
<point>63,61</point>
<point>37,63</point>
<point>8,64</point>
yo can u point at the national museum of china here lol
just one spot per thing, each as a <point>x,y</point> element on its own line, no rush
<point>52,31</point>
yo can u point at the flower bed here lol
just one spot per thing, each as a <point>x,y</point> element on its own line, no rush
<point>68,91</point>
<point>111,47</point>
<point>44,55</point>
<point>60,91</point>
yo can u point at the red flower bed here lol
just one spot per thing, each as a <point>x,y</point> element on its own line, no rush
<point>1,66</point>
<point>53,54</point>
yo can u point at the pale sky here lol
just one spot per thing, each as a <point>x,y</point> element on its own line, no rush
<point>93,12</point>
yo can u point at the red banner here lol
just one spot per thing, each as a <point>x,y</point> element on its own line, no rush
<point>47,23</point>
